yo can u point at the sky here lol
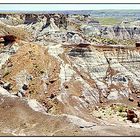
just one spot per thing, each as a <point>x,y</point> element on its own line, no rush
<point>55,7</point>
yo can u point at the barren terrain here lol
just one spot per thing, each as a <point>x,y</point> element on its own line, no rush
<point>68,75</point>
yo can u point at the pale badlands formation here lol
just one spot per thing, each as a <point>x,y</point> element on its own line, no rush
<point>59,79</point>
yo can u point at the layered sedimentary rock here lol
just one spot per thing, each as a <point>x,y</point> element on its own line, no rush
<point>66,76</point>
<point>117,32</point>
<point>40,25</point>
<point>66,79</point>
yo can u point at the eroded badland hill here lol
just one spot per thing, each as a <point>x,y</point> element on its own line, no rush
<point>68,75</point>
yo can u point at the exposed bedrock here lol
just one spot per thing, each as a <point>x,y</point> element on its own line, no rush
<point>73,79</point>
<point>47,61</point>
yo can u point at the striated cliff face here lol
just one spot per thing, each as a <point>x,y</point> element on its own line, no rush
<point>17,19</point>
<point>73,79</point>
<point>115,32</point>
<point>69,81</point>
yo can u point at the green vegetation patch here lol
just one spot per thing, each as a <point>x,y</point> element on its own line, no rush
<point>109,21</point>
